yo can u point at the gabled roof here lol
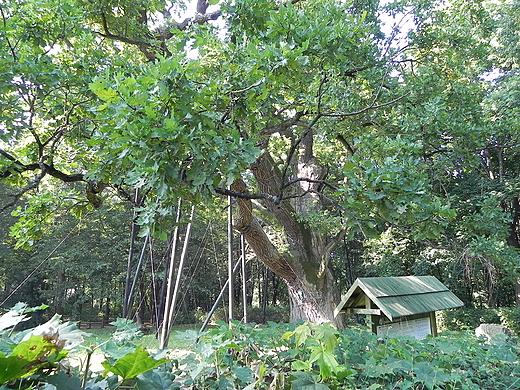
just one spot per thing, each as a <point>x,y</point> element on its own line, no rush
<point>400,296</point>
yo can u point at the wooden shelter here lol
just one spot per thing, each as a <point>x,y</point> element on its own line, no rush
<point>403,305</point>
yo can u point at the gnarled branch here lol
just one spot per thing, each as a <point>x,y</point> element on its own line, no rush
<point>284,125</point>
<point>24,190</point>
<point>308,180</point>
<point>246,195</point>
<point>372,106</point>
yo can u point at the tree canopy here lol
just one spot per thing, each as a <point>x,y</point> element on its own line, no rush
<point>392,126</point>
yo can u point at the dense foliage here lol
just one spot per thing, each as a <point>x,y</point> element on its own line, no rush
<point>357,138</point>
<point>237,356</point>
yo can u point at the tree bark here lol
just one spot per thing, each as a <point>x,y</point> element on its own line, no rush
<point>304,266</point>
<point>514,240</point>
<point>60,293</point>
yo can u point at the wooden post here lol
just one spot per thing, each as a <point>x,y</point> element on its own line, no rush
<point>370,317</point>
<point>433,324</point>
<point>129,302</point>
<point>133,237</point>
<point>170,284</point>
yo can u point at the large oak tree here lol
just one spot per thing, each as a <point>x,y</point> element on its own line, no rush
<point>305,112</point>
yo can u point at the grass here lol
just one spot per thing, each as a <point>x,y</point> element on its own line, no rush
<point>149,341</point>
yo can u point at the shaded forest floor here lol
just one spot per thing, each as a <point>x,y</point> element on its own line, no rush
<point>97,336</point>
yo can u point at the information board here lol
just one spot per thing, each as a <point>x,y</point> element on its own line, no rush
<point>418,328</point>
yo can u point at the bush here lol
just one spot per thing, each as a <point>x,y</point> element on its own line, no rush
<point>318,357</point>
<point>467,318</point>
<point>34,359</point>
<point>272,313</point>
<point>183,318</point>
<point>243,356</point>
<point>511,318</point>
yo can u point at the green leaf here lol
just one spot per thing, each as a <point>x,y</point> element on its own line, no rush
<point>11,318</point>
<point>133,364</point>
<point>28,356</point>
<point>326,361</point>
<point>299,365</point>
<point>99,88</point>
<point>328,336</point>
<point>302,333</point>
<point>12,368</point>
<point>62,381</point>
<point>244,374</point>
<point>287,335</point>
<point>224,383</point>
<point>152,380</point>
<point>305,381</point>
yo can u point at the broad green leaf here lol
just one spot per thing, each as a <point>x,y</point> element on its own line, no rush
<point>28,356</point>
<point>133,364</point>
<point>152,380</point>
<point>224,383</point>
<point>299,365</point>
<point>302,333</point>
<point>306,381</point>
<point>244,374</point>
<point>13,367</point>
<point>287,335</point>
<point>67,332</point>
<point>325,360</point>
<point>327,335</point>
<point>62,381</point>
<point>11,318</point>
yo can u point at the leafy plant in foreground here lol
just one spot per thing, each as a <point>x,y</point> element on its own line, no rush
<point>28,355</point>
<point>31,359</point>
<point>301,356</point>
<point>317,357</point>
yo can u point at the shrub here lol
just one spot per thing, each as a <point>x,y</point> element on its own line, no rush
<point>184,318</point>
<point>511,319</point>
<point>467,318</point>
<point>33,359</point>
<point>245,356</point>
<point>272,313</point>
<point>318,357</point>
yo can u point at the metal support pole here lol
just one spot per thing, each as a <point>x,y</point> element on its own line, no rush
<point>231,292</point>
<point>244,276</point>
<point>219,298</point>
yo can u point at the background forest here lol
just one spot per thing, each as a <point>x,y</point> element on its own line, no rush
<point>353,139</point>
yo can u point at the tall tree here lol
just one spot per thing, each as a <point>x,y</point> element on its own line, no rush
<point>463,117</point>
<point>284,81</point>
<point>303,110</point>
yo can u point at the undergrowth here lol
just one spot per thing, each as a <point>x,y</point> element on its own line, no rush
<point>147,340</point>
<point>243,356</point>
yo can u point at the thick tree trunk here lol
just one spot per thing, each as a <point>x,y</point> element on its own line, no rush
<point>304,266</point>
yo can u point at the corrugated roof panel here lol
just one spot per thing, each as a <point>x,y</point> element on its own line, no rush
<point>402,285</point>
<point>402,296</point>
<point>400,306</point>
